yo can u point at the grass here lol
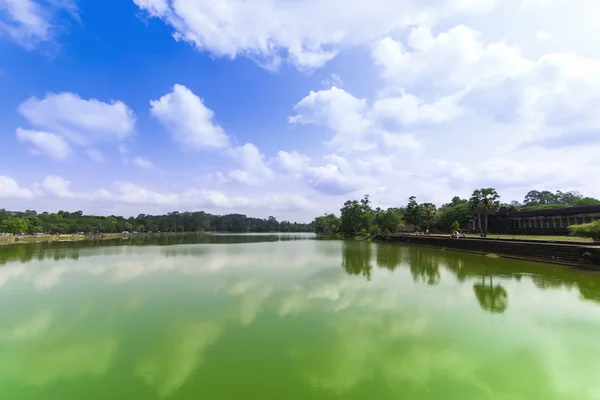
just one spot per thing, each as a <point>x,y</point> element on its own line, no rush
<point>564,238</point>
<point>10,239</point>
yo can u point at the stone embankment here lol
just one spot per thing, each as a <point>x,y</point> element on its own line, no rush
<point>581,255</point>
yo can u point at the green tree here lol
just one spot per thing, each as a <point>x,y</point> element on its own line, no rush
<point>33,224</point>
<point>456,210</point>
<point>483,203</point>
<point>412,214</point>
<point>110,224</point>
<point>356,217</point>
<point>455,226</point>
<point>586,201</point>
<point>14,225</point>
<point>590,230</point>
<point>428,211</point>
<point>390,220</point>
<point>328,224</point>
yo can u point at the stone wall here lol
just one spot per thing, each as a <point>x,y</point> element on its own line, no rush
<point>542,222</point>
<point>565,254</point>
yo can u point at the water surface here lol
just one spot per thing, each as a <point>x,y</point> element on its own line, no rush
<point>291,317</point>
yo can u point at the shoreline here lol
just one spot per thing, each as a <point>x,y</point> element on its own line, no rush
<point>582,255</point>
<point>27,239</point>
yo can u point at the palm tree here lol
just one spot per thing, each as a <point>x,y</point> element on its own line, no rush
<point>428,211</point>
<point>491,298</point>
<point>482,203</point>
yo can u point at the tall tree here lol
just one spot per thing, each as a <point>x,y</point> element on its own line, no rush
<point>428,211</point>
<point>483,203</point>
<point>356,217</point>
<point>412,215</point>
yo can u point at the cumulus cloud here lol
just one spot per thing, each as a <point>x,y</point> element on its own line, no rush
<point>79,120</point>
<point>54,146</point>
<point>9,189</point>
<point>328,178</point>
<point>451,102</point>
<point>549,95</point>
<point>191,124</point>
<point>359,126</point>
<point>255,171</point>
<point>57,186</point>
<point>188,120</point>
<point>307,34</point>
<point>66,119</point>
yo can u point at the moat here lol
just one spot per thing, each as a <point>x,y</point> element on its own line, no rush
<point>291,317</point>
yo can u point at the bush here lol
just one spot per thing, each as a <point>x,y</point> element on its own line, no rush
<point>590,230</point>
<point>455,226</point>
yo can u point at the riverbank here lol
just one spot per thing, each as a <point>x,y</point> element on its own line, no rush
<point>580,255</point>
<point>8,240</point>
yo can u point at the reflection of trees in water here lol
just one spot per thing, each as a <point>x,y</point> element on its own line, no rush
<point>491,298</point>
<point>25,253</point>
<point>550,282</point>
<point>424,266</point>
<point>389,256</point>
<point>72,250</point>
<point>356,258</point>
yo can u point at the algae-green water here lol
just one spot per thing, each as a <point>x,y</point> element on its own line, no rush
<point>291,317</point>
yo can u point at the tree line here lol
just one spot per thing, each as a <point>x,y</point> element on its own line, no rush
<point>64,222</point>
<point>359,218</point>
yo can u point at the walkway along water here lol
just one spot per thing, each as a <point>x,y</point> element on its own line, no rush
<point>580,255</point>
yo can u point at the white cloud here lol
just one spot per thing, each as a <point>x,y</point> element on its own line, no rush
<point>65,119</point>
<point>57,186</point>
<point>293,162</point>
<point>9,189</point>
<point>407,109</point>
<point>80,121</point>
<point>131,193</point>
<point>547,96</point>
<point>255,170</point>
<point>341,112</point>
<point>127,193</point>
<point>188,120</point>
<point>328,179</point>
<point>142,162</point>
<point>29,22</point>
<point>307,33</point>
<point>449,61</point>
<point>192,125</point>
<point>360,127</point>
<point>52,145</point>
<point>451,102</point>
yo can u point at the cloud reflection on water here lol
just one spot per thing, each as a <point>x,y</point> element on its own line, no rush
<point>380,321</point>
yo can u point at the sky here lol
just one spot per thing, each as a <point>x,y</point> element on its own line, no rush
<point>290,107</point>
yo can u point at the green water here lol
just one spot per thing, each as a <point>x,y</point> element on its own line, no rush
<point>291,317</point>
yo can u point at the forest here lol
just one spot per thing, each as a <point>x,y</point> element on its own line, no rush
<point>64,222</point>
<point>359,218</point>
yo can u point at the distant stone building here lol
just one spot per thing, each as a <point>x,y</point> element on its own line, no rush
<point>541,222</point>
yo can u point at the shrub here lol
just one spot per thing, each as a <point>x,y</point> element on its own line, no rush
<point>455,226</point>
<point>590,230</point>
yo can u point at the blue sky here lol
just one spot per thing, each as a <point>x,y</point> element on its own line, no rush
<point>283,108</point>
